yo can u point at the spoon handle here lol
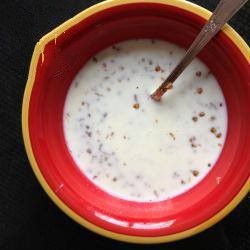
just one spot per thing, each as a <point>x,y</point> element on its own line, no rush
<point>223,12</point>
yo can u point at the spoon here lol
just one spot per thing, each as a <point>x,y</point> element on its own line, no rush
<point>224,11</point>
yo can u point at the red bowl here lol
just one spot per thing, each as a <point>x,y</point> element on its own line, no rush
<point>57,58</point>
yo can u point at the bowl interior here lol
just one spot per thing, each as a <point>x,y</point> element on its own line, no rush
<point>64,56</point>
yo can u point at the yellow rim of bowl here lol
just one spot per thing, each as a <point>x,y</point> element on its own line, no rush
<point>25,126</point>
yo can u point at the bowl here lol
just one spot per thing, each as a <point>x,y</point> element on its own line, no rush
<point>57,58</point>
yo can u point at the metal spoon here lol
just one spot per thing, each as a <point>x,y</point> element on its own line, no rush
<point>222,14</point>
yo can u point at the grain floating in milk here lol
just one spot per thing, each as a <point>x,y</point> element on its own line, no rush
<point>131,146</point>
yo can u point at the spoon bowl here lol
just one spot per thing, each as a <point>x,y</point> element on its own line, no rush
<point>57,58</point>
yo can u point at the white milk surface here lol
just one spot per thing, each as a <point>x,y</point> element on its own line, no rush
<point>131,146</point>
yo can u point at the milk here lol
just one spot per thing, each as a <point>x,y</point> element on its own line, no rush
<point>131,146</point>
